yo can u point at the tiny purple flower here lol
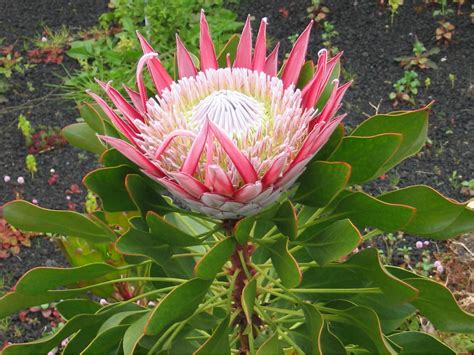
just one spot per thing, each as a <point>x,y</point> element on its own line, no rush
<point>6,179</point>
<point>34,201</point>
<point>419,245</point>
<point>426,243</point>
<point>20,180</point>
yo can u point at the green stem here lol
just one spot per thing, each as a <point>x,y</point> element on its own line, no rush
<point>372,234</point>
<point>336,290</point>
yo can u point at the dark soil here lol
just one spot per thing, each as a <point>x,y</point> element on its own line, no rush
<point>369,41</point>
<point>20,22</point>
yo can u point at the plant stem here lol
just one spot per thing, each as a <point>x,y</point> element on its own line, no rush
<point>242,272</point>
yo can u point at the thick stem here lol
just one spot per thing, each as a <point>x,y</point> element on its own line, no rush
<point>240,282</point>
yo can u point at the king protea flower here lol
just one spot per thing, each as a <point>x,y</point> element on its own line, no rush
<point>227,141</point>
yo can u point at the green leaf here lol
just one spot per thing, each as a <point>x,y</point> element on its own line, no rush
<point>286,220</point>
<point>271,346</point>
<point>75,324</point>
<point>364,210</point>
<point>39,285</point>
<point>82,136</point>
<point>177,305</point>
<point>213,261</point>
<point>109,184</point>
<point>138,242</point>
<point>322,182</point>
<point>218,343</point>
<point>362,270</point>
<point>329,86</point>
<point>413,125</point>
<point>145,197</point>
<point>90,114</point>
<point>419,343</point>
<point>367,155</point>
<point>73,307</point>
<point>134,333</point>
<point>285,264</point>
<point>31,218</point>
<point>306,74</point>
<point>330,344</point>
<point>360,325</point>
<point>243,228</point>
<point>333,242</point>
<point>314,324</point>
<point>106,342</point>
<point>436,216</point>
<point>437,303</point>
<point>248,299</point>
<point>331,145</point>
<point>168,233</point>
<point>231,48</point>
<point>112,157</point>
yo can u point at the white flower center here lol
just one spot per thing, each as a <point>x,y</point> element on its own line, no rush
<point>233,111</point>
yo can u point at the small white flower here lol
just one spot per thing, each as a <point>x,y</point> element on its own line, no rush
<point>34,201</point>
<point>103,302</point>
<point>68,197</point>
<point>52,171</point>
<point>20,180</point>
<point>6,179</point>
<point>419,245</point>
<point>44,39</point>
<point>443,59</point>
<point>426,243</point>
<point>151,304</point>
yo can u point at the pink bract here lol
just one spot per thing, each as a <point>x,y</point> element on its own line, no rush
<point>227,141</point>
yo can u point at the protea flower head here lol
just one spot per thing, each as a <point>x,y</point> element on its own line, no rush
<point>227,141</point>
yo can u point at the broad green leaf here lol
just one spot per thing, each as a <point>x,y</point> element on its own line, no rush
<point>413,125</point>
<point>31,218</point>
<point>109,185</point>
<point>434,297</point>
<point>81,339</point>
<point>39,285</point>
<point>314,324</point>
<point>112,157</point>
<point>243,228</point>
<point>213,261</point>
<point>419,343</point>
<point>122,318</point>
<point>321,182</point>
<point>286,220</point>
<point>231,48</point>
<point>329,87</point>
<point>330,344</point>
<point>134,333</point>
<point>248,299</point>
<point>90,114</point>
<point>436,216</point>
<point>82,321</point>
<point>168,233</point>
<point>218,343</point>
<point>138,242</point>
<point>362,270</point>
<point>367,211</point>
<point>331,145</point>
<point>145,197</point>
<point>360,325</point>
<point>333,242</point>
<point>271,346</point>
<point>106,342</point>
<point>306,74</point>
<point>285,264</point>
<point>177,305</point>
<point>82,136</point>
<point>367,155</point>
<point>73,307</point>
